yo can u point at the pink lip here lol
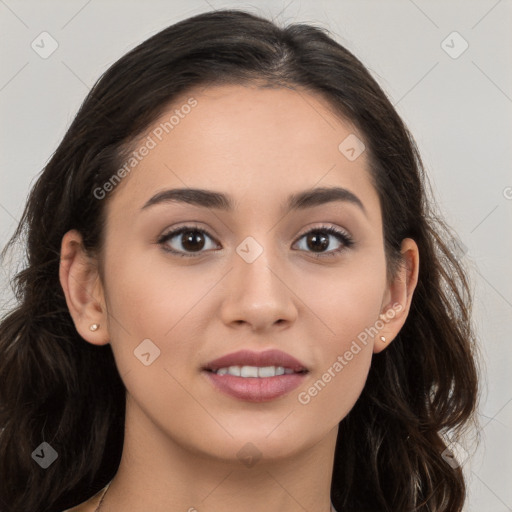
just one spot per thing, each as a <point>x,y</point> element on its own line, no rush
<point>271,357</point>
<point>255,389</point>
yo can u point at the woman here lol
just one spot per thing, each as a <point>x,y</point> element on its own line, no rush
<point>238,295</point>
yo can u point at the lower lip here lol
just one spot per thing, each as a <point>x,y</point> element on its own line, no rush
<point>255,389</point>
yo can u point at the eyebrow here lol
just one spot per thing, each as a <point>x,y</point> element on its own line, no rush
<point>211,199</point>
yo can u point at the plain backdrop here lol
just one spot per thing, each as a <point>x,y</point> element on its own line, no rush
<point>457,102</point>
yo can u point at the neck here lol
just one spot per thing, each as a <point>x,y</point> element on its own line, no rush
<point>159,473</point>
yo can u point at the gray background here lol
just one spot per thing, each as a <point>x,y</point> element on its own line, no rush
<point>458,109</point>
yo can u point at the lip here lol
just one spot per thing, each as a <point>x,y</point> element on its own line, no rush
<point>271,357</point>
<point>255,389</point>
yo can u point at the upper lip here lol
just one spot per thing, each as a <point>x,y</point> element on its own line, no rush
<point>271,357</point>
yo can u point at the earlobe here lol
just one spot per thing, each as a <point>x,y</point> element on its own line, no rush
<point>399,296</point>
<point>83,290</point>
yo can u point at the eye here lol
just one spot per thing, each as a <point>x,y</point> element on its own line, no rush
<point>189,239</point>
<point>317,240</point>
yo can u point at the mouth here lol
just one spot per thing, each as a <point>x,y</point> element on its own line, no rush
<point>258,372</point>
<point>256,376</point>
<point>246,363</point>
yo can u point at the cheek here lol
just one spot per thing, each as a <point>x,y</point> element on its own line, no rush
<point>346,305</point>
<point>346,300</point>
<point>148,296</point>
<point>147,299</point>
<point>150,300</point>
<point>344,359</point>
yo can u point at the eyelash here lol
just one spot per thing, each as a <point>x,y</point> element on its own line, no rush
<point>342,236</point>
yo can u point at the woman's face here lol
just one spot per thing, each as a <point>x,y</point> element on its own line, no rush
<point>251,275</point>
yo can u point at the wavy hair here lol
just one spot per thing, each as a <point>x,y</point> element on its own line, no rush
<point>54,387</point>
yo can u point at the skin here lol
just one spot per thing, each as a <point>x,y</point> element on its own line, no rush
<point>182,435</point>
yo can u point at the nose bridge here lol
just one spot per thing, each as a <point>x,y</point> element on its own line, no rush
<point>257,263</point>
<point>257,294</point>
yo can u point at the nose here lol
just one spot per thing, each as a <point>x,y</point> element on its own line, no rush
<point>258,295</point>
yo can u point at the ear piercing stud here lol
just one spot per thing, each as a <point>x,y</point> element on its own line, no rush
<point>383,339</point>
<point>94,327</point>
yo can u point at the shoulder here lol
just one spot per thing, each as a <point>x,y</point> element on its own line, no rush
<point>89,505</point>
<point>86,506</point>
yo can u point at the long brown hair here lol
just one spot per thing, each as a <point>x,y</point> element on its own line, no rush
<point>55,387</point>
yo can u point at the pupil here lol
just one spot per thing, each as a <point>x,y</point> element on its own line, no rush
<point>190,239</point>
<point>315,238</point>
<point>194,241</point>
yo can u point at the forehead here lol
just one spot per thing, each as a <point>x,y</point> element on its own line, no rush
<point>250,142</point>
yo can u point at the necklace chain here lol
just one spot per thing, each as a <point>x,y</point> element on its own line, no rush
<point>102,497</point>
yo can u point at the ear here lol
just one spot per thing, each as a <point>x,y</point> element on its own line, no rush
<point>80,280</point>
<point>398,297</point>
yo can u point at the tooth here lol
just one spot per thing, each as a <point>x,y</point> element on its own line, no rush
<point>234,370</point>
<point>266,371</point>
<point>254,371</point>
<point>249,371</point>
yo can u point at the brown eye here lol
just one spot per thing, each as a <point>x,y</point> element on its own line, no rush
<point>192,240</point>
<point>186,241</point>
<point>317,242</point>
<point>319,239</point>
